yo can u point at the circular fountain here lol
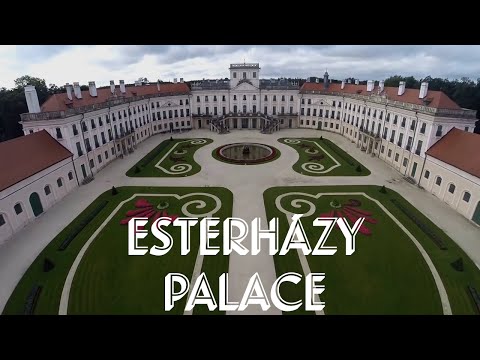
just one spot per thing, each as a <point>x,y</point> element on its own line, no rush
<point>246,153</point>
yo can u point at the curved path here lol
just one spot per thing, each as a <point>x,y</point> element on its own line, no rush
<point>247,183</point>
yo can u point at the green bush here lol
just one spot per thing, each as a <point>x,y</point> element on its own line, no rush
<point>48,265</point>
<point>359,168</point>
<point>321,137</point>
<point>383,190</point>
<point>114,191</point>
<point>137,169</point>
<point>458,264</point>
<point>171,138</point>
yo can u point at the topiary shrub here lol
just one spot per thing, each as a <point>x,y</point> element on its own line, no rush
<point>171,138</point>
<point>321,137</point>
<point>383,190</point>
<point>137,169</point>
<point>458,264</point>
<point>359,168</point>
<point>48,265</point>
<point>114,191</point>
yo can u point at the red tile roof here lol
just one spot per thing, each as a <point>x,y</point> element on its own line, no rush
<point>460,149</point>
<point>438,99</point>
<point>59,102</point>
<point>27,155</point>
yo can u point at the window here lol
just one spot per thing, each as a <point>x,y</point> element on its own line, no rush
<point>223,97</point>
<point>302,111</point>
<point>466,128</point>
<point>92,164</point>
<point>47,190</point>
<point>419,147</point>
<point>274,110</point>
<point>266,98</point>
<point>405,161</point>
<point>438,181</point>
<point>198,98</point>
<point>274,97</point>
<point>79,149</point>
<point>308,122</point>
<point>254,97</point>
<point>214,99</point>
<point>75,131</point>
<point>244,75</point>
<point>2,219</point>
<point>383,146</point>
<point>244,97</point>
<point>333,102</point>
<point>309,101</point>
<point>176,113</point>
<point>70,176</point>
<point>234,97</point>
<point>106,154</point>
<point>234,108</point>
<point>390,153</point>
<point>104,141</point>
<point>395,120</point>
<point>186,101</point>
<point>206,97</point>
<point>451,188</point>
<point>291,97</point>
<point>113,151</point>
<point>439,130</point>
<point>59,133</point>
<point>427,174</point>
<point>283,97</point>
<point>234,75</point>
<point>92,122</point>
<point>181,112</point>
<point>396,157</point>
<point>291,109</point>
<point>95,138</point>
<point>466,196</point>
<point>404,120</point>
<point>254,74</point>
<point>99,158</point>
<point>59,182</point>
<point>18,209</point>
<point>308,111</point>
<point>412,125</point>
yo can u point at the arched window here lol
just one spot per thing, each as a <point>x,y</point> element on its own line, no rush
<point>18,209</point>
<point>451,188</point>
<point>438,181</point>
<point>47,190</point>
<point>70,176</point>
<point>466,196</point>
<point>427,174</point>
<point>59,182</point>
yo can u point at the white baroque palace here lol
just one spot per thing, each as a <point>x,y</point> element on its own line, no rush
<point>398,125</point>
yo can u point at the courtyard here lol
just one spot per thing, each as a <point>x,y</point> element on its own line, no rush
<point>403,270</point>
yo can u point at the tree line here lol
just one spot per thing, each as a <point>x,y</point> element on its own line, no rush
<point>465,92</point>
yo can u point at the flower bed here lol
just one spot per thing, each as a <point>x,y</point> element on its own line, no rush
<point>81,226</point>
<point>424,227</point>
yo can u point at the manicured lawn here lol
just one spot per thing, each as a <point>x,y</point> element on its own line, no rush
<point>171,158</point>
<point>108,281</point>
<point>321,157</point>
<point>386,274</point>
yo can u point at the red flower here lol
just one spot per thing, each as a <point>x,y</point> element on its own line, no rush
<point>352,213</point>
<point>144,209</point>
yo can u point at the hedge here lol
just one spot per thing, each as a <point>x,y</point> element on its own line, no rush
<point>153,154</point>
<point>424,227</point>
<point>342,155</point>
<point>32,300</point>
<point>81,226</point>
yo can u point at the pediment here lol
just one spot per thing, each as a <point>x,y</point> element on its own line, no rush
<point>244,86</point>
<point>322,101</point>
<point>169,103</point>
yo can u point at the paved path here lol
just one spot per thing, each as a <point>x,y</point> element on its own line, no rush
<point>247,184</point>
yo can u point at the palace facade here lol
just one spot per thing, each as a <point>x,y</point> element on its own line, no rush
<point>397,125</point>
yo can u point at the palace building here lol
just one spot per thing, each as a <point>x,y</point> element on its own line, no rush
<point>419,132</point>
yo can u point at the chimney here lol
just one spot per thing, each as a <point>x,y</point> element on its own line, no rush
<point>370,85</point>
<point>401,88</point>
<point>174,80</point>
<point>325,80</point>
<point>357,82</point>
<point>32,99</point>
<point>112,86</point>
<point>381,85</point>
<point>122,86</point>
<point>423,90</point>
<point>68,87</point>
<point>76,90</point>
<point>181,80</point>
<point>158,85</point>
<point>343,84</point>
<point>92,88</point>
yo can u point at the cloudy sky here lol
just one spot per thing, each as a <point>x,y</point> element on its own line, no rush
<point>60,64</point>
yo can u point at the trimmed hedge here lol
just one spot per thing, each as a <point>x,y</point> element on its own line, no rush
<point>424,227</point>
<point>32,300</point>
<point>154,153</point>
<point>475,296</point>
<point>347,159</point>
<point>71,236</point>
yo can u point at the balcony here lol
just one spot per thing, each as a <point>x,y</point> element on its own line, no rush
<point>123,134</point>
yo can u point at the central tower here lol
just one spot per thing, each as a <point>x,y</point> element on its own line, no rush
<point>245,71</point>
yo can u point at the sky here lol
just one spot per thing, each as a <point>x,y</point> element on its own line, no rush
<point>59,64</point>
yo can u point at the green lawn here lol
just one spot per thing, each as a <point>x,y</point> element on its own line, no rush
<point>108,281</point>
<point>321,157</point>
<point>386,274</point>
<point>171,158</point>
